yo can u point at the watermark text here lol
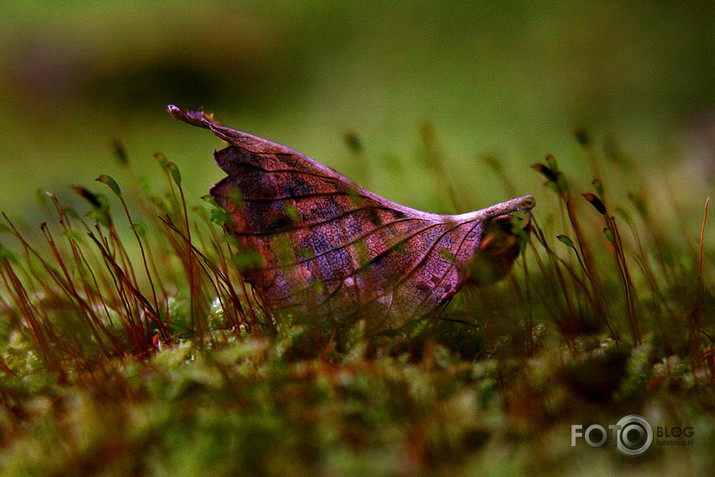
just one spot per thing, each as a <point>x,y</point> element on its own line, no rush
<point>632,435</point>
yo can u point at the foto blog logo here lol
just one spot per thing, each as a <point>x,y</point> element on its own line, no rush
<point>632,435</point>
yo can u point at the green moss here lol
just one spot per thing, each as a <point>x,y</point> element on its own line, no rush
<point>169,365</point>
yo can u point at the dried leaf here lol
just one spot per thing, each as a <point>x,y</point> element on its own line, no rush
<point>330,247</point>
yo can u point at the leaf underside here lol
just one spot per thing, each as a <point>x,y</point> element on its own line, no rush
<point>332,248</point>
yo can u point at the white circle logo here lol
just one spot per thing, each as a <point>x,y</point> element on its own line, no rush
<point>634,435</point>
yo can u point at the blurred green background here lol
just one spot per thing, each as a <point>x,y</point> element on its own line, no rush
<point>510,79</point>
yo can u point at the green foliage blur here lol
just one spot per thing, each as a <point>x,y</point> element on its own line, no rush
<point>493,78</point>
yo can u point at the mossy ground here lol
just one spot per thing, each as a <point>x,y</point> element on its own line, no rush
<point>140,351</point>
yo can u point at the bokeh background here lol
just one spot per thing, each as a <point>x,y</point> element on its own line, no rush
<point>506,79</point>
